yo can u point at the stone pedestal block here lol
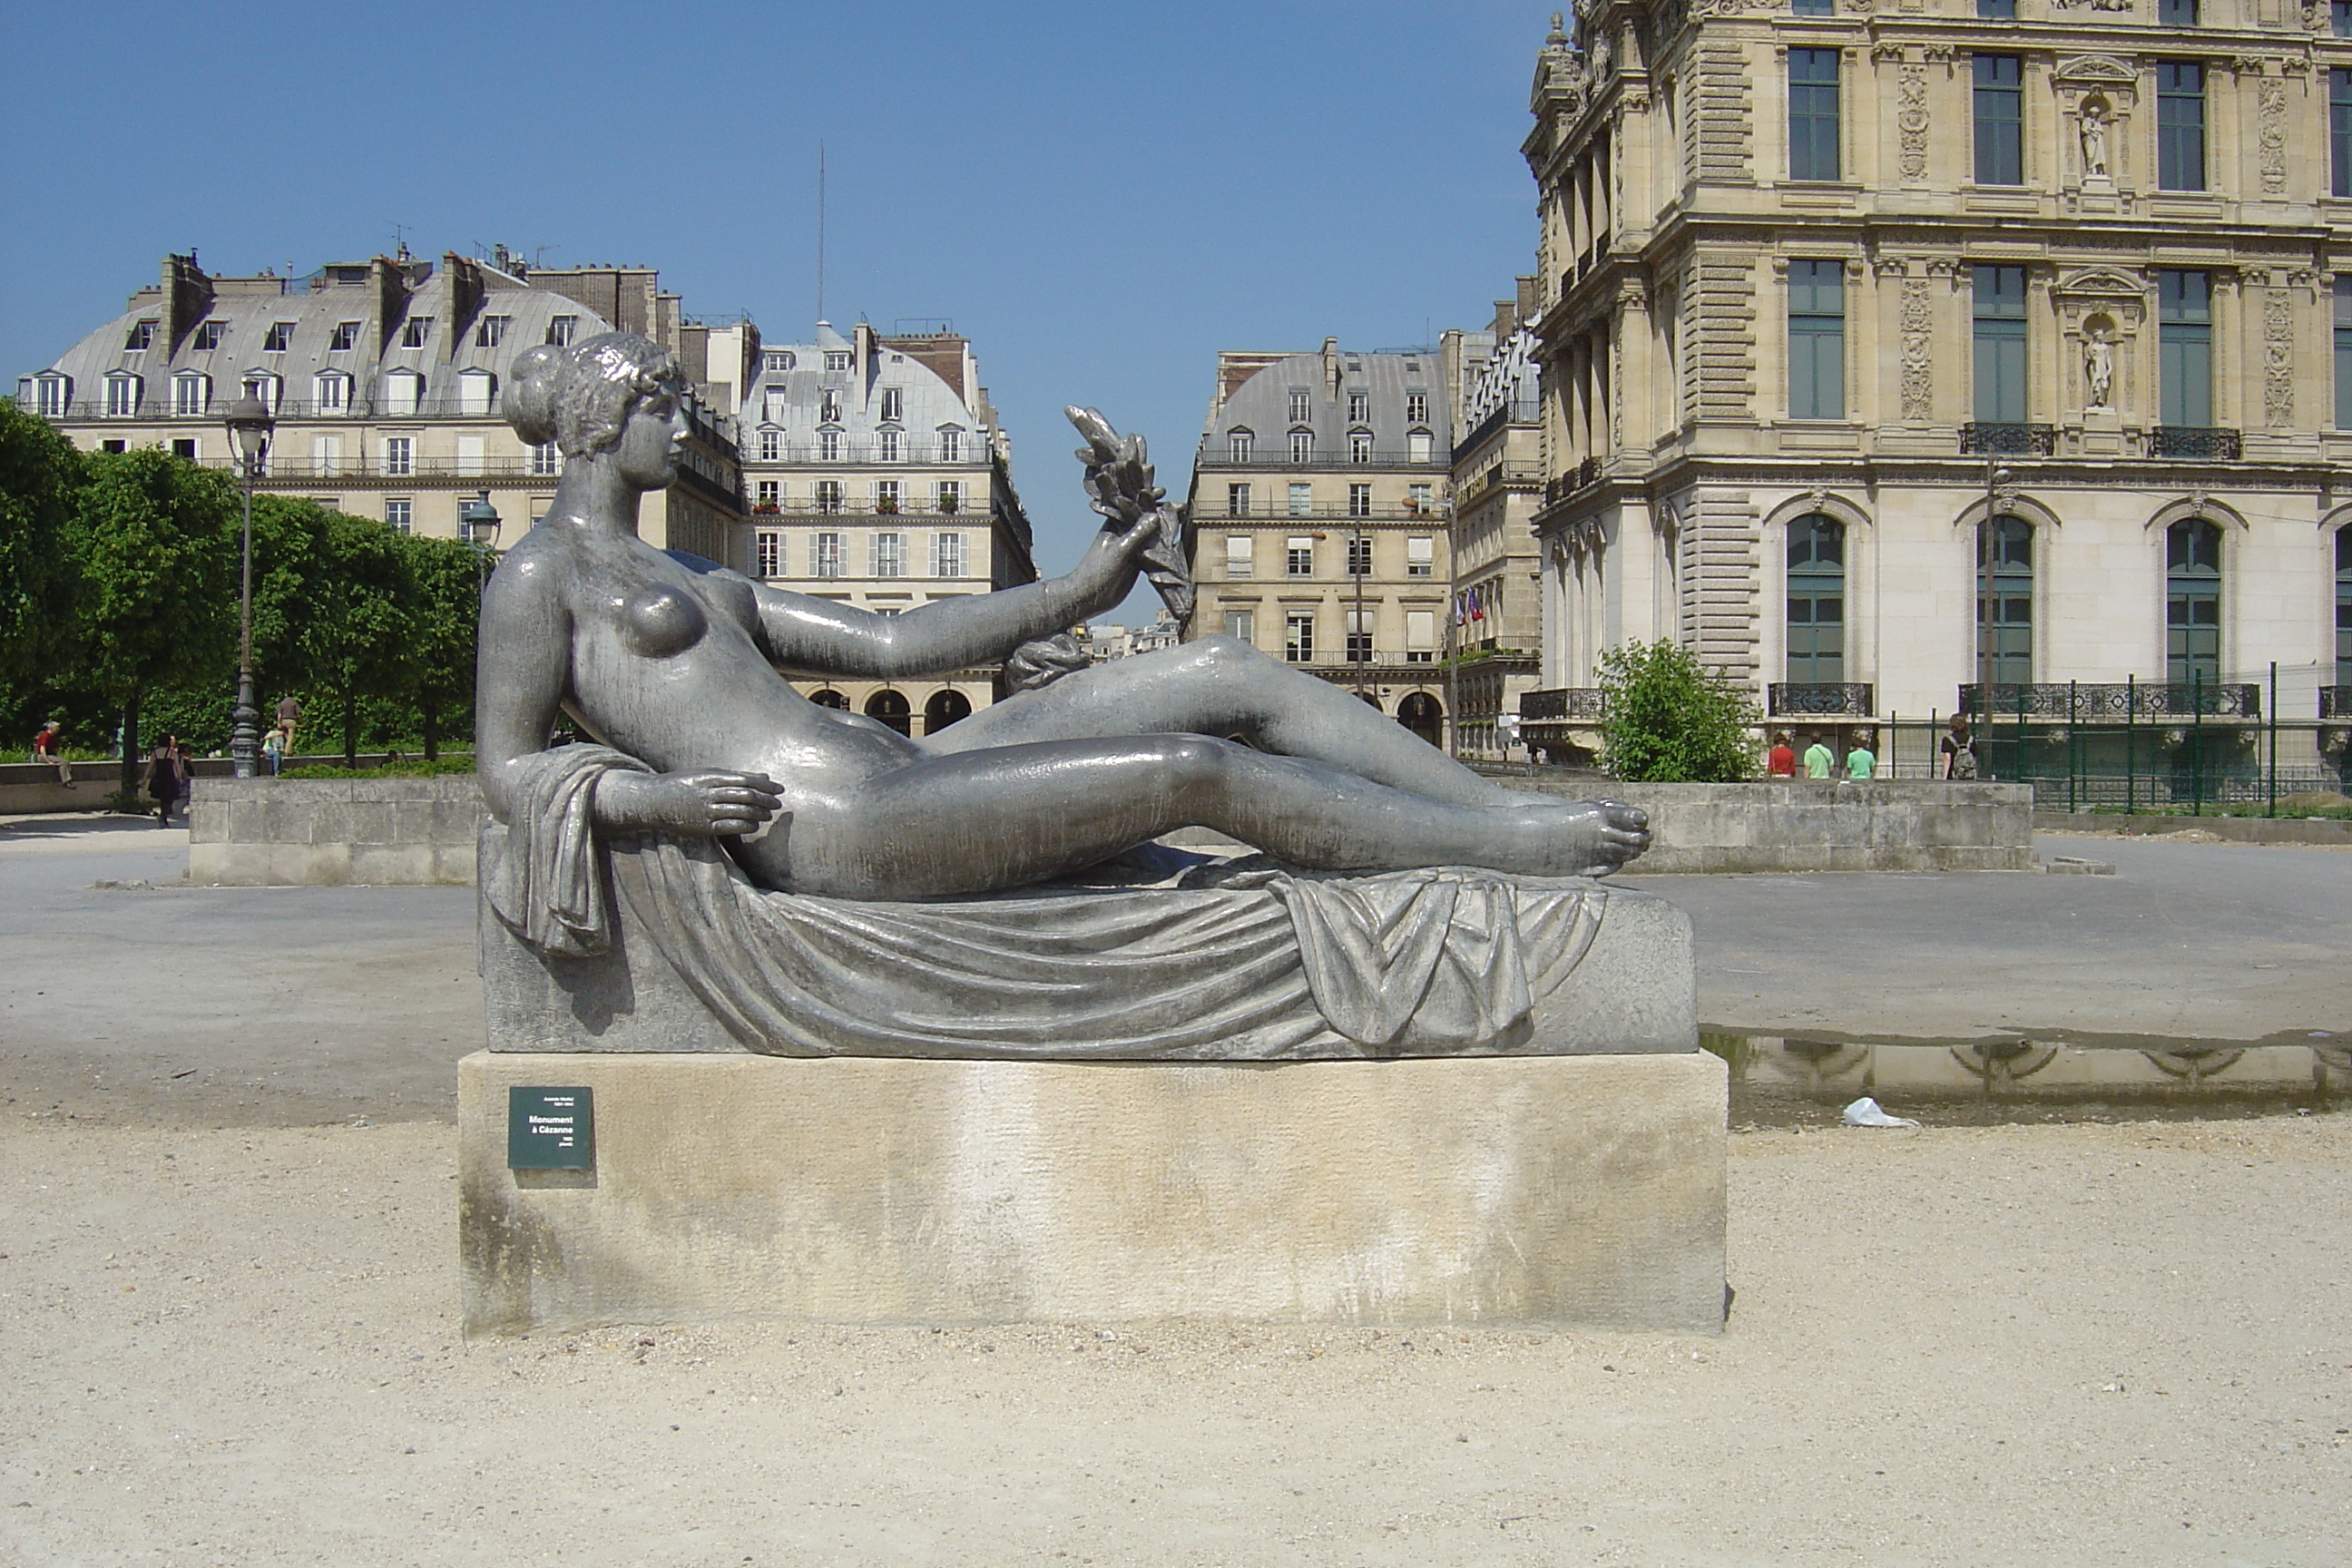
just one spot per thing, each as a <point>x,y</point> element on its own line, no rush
<point>1502,1190</point>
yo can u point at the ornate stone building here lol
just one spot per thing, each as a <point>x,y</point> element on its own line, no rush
<point>1937,352</point>
<point>1318,508</point>
<point>877,476</point>
<point>1498,591</point>
<point>383,377</point>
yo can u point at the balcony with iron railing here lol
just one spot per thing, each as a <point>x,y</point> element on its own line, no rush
<point>2114,703</point>
<point>799,511</point>
<point>373,469</point>
<point>1818,699</point>
<point>1510,412</point>
<point>2195,443</point>
<point>1996,439</point>
<point>1329,661</point>
<point>1564,704</point>
<point>1582,476</point>
<point>1334,511</point>
<point>1217,454</point>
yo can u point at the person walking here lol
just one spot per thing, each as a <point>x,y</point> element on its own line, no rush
<point>1861,762</point>
<point>162,775</point>
<point>1781,762</point>
<point>289,716</point>
<point>1958,749</point>
<point>45,750</point>
<point>1820,761</point>
<point>273,753</point>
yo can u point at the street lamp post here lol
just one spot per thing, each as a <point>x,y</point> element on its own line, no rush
<point>249,428</point>
<point>477,525</point>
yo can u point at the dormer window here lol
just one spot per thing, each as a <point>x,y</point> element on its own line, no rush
<point>1416,406</point>
<point>279,338</point>
<point>346,338</point>
<point>891,437</point>
<point>829,408</point>
<point>140,337</point>
<point>836,359</point>
<point>489,330</point>
<point>560,330</point>
<point>477,391</point>
<point>191,393</point>
<point>1302,446</point>
<point>209,335</point>
<point>1359,446</point>
<point>1238,442</point>
<point>777,363</point>
<point>413,332</point>
<point>1420,447</point>
<point>894,403</point>
<point>123,391</point>
<point>261,385</point>
<point>1359,406</point>
<point>950,444</point>
<point>332,392</point>
<point>772,443</point>
<point>1301,404</point>
<point>404,390</point>
<point>828,446</point>
<point>51,396</point>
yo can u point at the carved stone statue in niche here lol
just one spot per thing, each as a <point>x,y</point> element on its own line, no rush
<point>2099,364</point>
<point>2095,138</point>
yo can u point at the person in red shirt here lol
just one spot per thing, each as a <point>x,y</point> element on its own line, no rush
<point>1781,762</point>
<point>45,750</point>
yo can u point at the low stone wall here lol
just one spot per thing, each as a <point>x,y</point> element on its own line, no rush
<point>2281,829</point>
<point>330,832</point>
<point>1836,824</point>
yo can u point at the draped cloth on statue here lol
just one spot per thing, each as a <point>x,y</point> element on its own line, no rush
<point>1267,965</point>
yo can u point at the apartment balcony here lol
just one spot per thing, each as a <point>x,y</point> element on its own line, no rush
<point>1331,511</point>
<point>1334,459</point>
<point>2109,702</point>
<point>373,469</point>
<point>2195,443</point>
<point>1984,439</point>
<point>1336,664</point>
<point>1819,699</point>
<point>1582,476</point>
<point>1564,704</point>
<point>775,515</point>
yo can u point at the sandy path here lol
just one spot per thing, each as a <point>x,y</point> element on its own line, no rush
<point>2081,1344</point>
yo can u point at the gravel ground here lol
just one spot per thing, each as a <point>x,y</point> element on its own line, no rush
<point>2081,1344</point>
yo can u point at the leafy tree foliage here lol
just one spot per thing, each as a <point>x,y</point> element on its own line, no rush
<point>448,609</point>
<point>152,546</point>
<point>1669,720</point>
<point>358,615</point>
<point>38,471</point>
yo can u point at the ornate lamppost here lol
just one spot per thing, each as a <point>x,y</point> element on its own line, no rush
<point>249,428</point>
<point>477,525</point>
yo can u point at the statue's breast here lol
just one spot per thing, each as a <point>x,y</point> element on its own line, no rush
<point>662,621</point>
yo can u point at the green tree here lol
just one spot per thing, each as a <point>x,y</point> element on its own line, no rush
<point>357,618</point>
<point>152,546</point>
<point>38,472</point>
<point>441,646</point>
<point>1669,720</point>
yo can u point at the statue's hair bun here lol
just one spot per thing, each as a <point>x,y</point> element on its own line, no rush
<point>530,393</point>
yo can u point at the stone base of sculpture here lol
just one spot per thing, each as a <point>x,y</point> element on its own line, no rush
<point>1582,1190</point>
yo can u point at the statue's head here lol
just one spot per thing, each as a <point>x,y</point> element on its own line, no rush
<point>580,396</point>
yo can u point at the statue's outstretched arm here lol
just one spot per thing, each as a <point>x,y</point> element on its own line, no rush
<point>822,637</point>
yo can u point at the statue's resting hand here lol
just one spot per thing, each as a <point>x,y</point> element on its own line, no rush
<point>713,803</point>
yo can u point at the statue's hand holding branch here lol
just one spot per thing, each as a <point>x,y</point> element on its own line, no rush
<point>1144,532</point>
<point>713,803</point>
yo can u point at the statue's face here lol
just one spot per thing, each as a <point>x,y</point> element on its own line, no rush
<point>649,443</point>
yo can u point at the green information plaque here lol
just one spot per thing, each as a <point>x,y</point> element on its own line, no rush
<point>551,1129</point>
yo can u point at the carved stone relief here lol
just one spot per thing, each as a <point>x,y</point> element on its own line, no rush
<point>2270,134</point>
<point>2278,357</point>
<point>1918,370</point>
<point>1911,121</point>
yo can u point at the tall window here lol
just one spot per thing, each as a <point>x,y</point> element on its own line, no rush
<point>2340,18</point>
<point>279,338</point>
<point>1359,446</point>
<point>1360,501</point>
<point>2005,600</point>
<point>2344,353</point>
<point>1240,560</point>
<point>886,555</point>
<point>190,393</point>
<point>771,445</point>
<point>949,497</point>
<point>1999,344</point>
<point>890,445</point>
<point>209,334</point>
<point>1416,499</point>
<point>1238,497</point>
<point>139,337</point>
<point>1242,626</point>
<point>1816,599</point>
<point>347,337</point>
<point>769,494</point>
<point>2176,13</point>
<point>828,406</point>
<point>824,555</point>
<point>2000,119</point>
<point>1420,447</point>
<point>1816,339</point>
<point>1419,556</point>
<point>398,514</point>
<point>894,403</point>
<point>488,331</point>
<point>333,391</point>
<point>2339,131</point>
<point>413,331</point>
<point>948,556</point>
<point>399,455</point>
<point>1237,445</point>
<point>1416,407</point>
<point>950,444</point>
<point>2193,593</point>
<point>546,460</point>
<point>828,495</point>
<point>1300,409</point>
<point>1302,501</point>
<point>769,553</point>
<point>2179,125</point>
<point>122,390</point>
<point>886,496</point>
<point>1302,446</point>
<point>1299,557</point>
<point>1813,114</point>
<point>2185,346</point>
<point>1360,407</point>
<point>1298,638</point>
<point>1359,555</point>
<point>828,446</point>
<point>1359,637</point>
<point>2344,606</point>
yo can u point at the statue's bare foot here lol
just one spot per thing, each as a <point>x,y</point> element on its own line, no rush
<point>1576,838</point>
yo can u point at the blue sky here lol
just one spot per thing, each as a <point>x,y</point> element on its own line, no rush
<point>1101,196</point>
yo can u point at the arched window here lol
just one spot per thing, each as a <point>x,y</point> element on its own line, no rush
<point>1238,442</point>
<point>477,391</point>
<point>890,707</point>
<point>2344,606</point>
<point>945,708</point>
<point>2005,601</point>
<point>1816,600</point>
<point>2192,607</point>
<point>829,698</point>
<point>1423,715</point>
